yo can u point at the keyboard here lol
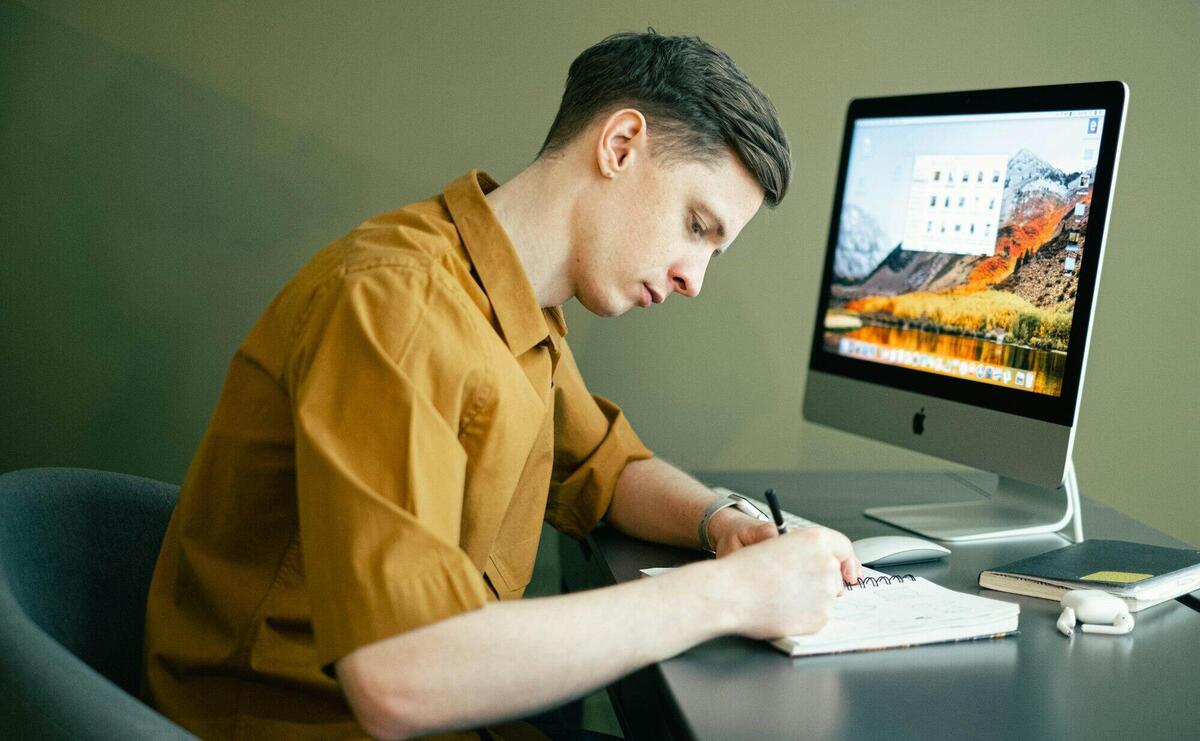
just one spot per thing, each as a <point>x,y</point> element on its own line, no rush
<point>791,521</point>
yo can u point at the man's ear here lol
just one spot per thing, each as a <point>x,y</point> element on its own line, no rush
<point>622,142</point>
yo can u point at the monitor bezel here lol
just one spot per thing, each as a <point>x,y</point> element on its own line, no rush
<point>1109,96</point>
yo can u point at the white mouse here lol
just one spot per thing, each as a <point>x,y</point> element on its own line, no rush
<point>892,549</point>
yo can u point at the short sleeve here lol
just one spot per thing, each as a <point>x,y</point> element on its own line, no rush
<point>593,442</point>
<point>379,467</point>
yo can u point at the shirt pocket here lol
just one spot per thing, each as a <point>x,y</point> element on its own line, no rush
<point>510,569</point>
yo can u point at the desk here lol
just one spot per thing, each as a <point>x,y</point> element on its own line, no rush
<point>1036,685</point>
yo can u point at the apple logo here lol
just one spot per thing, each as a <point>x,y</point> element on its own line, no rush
<point>919,421</point>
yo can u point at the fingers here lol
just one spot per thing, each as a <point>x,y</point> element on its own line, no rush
<point>744,537</point>
<point>843,551</point>
<point>813,545</point>
<point>759,533</point>
<point>840,545</point>
<point>851,570</point>
<point>833,569</point>
<point>839,578</point>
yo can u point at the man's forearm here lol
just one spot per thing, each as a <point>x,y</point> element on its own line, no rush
<point>656,501</point>
<point>513,659</point>
<point>494,664</point>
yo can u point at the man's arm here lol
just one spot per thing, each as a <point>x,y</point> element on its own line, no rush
<point>656,501</point>
<point>512,659</point>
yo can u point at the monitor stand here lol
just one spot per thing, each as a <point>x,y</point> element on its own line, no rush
<point>1015,509</point>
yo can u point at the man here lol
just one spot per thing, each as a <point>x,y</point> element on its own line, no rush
<point>355,530</point>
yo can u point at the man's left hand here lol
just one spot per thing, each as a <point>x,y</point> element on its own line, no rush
<point>734,530</point>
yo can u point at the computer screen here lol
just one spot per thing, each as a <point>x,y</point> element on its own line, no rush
<point>958,287</point>
<point>960,244</point>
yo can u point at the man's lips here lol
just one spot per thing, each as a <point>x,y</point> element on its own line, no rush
<point>655,296</point>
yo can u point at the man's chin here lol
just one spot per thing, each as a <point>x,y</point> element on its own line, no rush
<point>612,312</point>
<point>606,308</point>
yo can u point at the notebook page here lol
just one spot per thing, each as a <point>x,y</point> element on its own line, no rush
<point>907,611</point>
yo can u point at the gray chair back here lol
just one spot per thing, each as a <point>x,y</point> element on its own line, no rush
<point>77,549</point>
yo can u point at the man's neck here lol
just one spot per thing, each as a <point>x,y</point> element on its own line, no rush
<point>535,209</point>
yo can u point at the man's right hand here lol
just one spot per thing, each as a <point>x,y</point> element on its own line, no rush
<point>786,585</point>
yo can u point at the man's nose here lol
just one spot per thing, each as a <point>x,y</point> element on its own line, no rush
<point>687,279</point>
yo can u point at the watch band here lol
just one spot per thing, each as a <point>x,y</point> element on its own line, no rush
<point>713,507</point>
<point>741,503</point>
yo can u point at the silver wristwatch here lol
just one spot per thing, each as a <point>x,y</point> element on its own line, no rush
<point>743,505</point>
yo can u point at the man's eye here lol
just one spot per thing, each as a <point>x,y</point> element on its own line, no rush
<point>697,228</point>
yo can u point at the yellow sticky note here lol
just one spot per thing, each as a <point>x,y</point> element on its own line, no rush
<point>1121,577</point>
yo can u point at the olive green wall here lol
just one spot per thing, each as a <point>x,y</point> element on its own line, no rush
<point>165,169</point>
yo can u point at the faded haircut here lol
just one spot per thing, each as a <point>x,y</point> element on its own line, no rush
<point>698,102</point>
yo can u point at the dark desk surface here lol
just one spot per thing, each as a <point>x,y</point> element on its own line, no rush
<point>1035,685</point>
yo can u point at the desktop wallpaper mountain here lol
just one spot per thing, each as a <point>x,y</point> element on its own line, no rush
<point>1023,294</point>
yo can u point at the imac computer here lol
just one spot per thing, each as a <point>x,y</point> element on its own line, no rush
<point>958,291</point>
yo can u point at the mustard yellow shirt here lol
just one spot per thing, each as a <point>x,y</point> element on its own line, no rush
<point>388,440</point>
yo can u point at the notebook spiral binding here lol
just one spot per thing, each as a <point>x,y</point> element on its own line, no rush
<point>879,581</point>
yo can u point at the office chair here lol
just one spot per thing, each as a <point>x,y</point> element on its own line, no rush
<point>77,549</point>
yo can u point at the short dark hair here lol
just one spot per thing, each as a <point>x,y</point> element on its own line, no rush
<point>697,99</point>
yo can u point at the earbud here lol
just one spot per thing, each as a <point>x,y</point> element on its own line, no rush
<point>1123,625</point>
<point>1100,612</point>
<point>1066,622</point>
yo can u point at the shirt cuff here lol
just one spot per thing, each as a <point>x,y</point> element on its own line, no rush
<point>440,592</point>
<point>580,501</point>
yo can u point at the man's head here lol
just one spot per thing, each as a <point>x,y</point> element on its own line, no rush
<point>677,149</point>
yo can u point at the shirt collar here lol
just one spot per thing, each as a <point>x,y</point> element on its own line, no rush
<point>522,321</point>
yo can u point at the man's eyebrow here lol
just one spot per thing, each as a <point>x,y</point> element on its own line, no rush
<point>711,217</point>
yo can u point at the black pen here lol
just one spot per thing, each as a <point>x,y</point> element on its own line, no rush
<point>773,502</point>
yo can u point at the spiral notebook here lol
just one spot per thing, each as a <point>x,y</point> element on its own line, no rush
<point>883,611</point>
<point>897,611</point>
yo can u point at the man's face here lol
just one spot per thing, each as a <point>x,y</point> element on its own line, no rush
<point>652,230</point>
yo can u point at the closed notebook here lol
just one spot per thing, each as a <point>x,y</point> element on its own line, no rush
<point>883,611</point>
<point>1141,575</point>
